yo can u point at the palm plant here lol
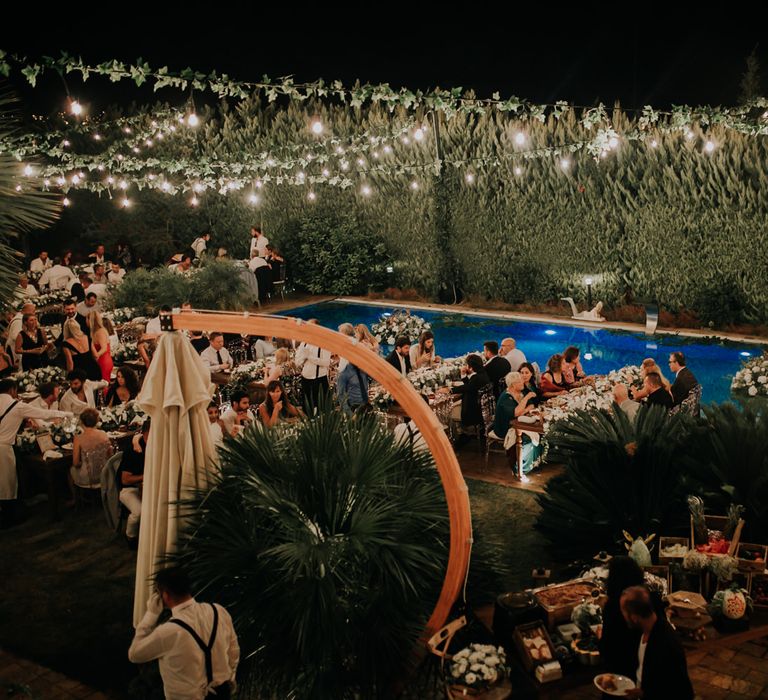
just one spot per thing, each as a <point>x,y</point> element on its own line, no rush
<point>619,476</point>
<point>21,210</point>
<point>327,542</point>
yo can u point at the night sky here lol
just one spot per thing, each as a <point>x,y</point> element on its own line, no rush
<point>585,57</point>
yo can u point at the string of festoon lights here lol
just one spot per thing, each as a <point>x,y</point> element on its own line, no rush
<point>748,119</point>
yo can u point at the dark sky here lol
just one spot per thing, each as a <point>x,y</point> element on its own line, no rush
<point>583,57</point>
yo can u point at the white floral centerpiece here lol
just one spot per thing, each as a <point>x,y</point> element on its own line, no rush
<point>29,381</point>
<point>629,375</point>
<point>123,415</point>
<point>125,353</point>
<point>428,379</point>
<point>249,372</point>
<point>64,432</point>
<point>121,315</point>
<point>26,441</point>
<point>477,666</point>
<point>752,378</point>
<point>391,325</point>
<point>48,299</point>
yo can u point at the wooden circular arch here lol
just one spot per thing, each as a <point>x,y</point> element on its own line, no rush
<point>456,494</point>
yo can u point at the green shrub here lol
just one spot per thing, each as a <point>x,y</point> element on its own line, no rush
<point>219,285</point>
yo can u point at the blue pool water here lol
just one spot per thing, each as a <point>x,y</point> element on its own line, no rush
<point>714,361</point>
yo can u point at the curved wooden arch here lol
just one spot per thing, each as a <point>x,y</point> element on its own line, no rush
<point>456,494</point>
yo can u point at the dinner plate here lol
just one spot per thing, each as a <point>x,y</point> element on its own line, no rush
<point>68,447</point>
<point>622,683</point>
<point>27,395</point>
<point>528,419</point>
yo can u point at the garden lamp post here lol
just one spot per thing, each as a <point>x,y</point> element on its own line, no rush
<point>588,281</point>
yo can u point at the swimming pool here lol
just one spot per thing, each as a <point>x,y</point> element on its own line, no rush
<point>713,361</point>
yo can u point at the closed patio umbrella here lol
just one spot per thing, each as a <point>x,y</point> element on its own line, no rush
<point>180,452</point>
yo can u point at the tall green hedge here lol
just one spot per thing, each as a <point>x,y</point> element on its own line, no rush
<point>670,223</point>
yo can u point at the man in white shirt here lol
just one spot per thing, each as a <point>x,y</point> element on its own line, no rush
<point>200,244</point>
<point>514,356</point>
<point>12,413</point>
<point>91,303</point>
<point>48,401</point>
<point>314,363</point>
<point>25,290</point>
<point>192,628</point>
<point>100,256</point>
<point>238,412</point>
<point>263,348</point>
<point>258,242</point>
<point>216,356</point>
<point>57,277</point>
<point>99,275</point>
<point>621,397</point>
<point>41,263</point>
<point>116,274</point>
<point>80,394</point>
<point>184,266</point>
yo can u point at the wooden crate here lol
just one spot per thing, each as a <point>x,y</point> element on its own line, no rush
<point>558,612</point>
<point>718,522</point>
<point>523,637</point>
<point>758,589</point>
<point>750,564</point>
<point>668,541</point>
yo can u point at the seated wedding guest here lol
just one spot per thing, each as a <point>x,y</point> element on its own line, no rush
<point>57,277</point>
<point>14,413</point>
<point>222,254</point>
<point>123,257</point>
<point>200,244</point>
<point>41,263</point>
<point>514,356</point>
<point>618,643</point>
<point>48,401</point>
<point>572,370</point>
<point>153,325</point>
<point>352,388</point>
<point>115,274</point>
<point>216,356</point>
<point>91,449</point>
<point>184,266</point>
<point>528,374</point>
<point>408,432</point>
<point>25,290</point>
<point>423,353</point>
<point>662,670</point>
<point>684,379</point>
<point>283,366</point>
<point>99,257</point>
<point>218,430</point>
<point>400,357</point>
<point>277,407</point>
<point>88,305</point>
<point>130,478</point>
<point>553,381</point>
<point>365,337</point>
<point>273,255</point>
<point>622,400</point>
<point>71,312</point>
<point>496,367</point>
<point>66,258</point>
<point>123,389</point>
<point>80,288</point>
<point>199,343</point>
<point>76,347</point>
<point>99,275</point>
<point>340,363</point>
<point>237,413</point>
<point>656,394</point>
<point>32,346</point>
<point>468,412</point>
<point>81,393</point>
<point>263,347</point>
<point>649,365</point>
<point>6,363</point>
<point>513,403</point>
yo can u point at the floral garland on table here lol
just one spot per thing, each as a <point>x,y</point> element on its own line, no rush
<point>249,372</point>
<point>752,378</point>
<point>29,381</point>
<point>121,315</point>
<point>387,329</point>
<point>26,441</point>
<point>631,375</point>
<point>125,414</point>
<point>477,666</point>
<point>126,353</point>
<point>48,299</point>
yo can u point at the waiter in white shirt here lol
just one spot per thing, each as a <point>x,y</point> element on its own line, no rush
<point>116,274</point>
<point>258,242</point>
<point>510,351</point>
<point>12,413</point>
<point>41,263</point>
<point>200,244</point>
<point>314,363</point>
<point>216,356</point>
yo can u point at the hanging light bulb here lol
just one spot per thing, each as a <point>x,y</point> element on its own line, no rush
<point>613,142</point>
<point>406,140</point>
<point>565,163</point>
<point>18,188</point>
<point>136,150</point>
<point>654,143</point>
<point>311,196</point>
<point>165,186</point>
<point>366,190</point>
<point>127,130</point>
<point>326,172</point>
<point>709,146</point>
<point>192,120</point>
<point>360,162</point>
<point>518,170</point>
<point>29,171</point>
<point>375,154</point>
<point>66,201</point>
<point>339,150</point>
<point>125,202</point>
<point>270,162</point>
<point>75,179</point>
<point>97,137</point>
<point>123,185</point>
<point>418,135</point>
<point>148,142</point>
<point>520,138</point>
<point>120,156</point>
<point>253,198</point>
<point>387,149</point>
<point>100,168</point>
<point>65,143</point>
<point>46,182</point>
<point>61,181</point>
<point>470,178</point>
<point>689,134</point>
<point>259,184</point>
<point>317,127</point>
<point>76,108</point>
<point>194,201</point>
<point>414,185</point>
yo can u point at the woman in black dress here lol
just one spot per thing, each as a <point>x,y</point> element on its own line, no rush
<point>77,351</point>
<point>31,344</point>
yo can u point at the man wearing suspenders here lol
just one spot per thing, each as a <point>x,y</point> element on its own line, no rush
<point>197,647</point>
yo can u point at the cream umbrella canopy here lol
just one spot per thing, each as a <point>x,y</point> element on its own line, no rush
<point>180,452</point>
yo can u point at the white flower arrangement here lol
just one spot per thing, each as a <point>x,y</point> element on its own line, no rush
<point>249,372</point>
<point>121,315</point>
<point>26,441</point>
<point>586,614</point>
<point>391,325</point>
<point>752,378</point>
<point>629,375</point>
<point>49,299</point>
<point>125,353</point>
<point>65,431</point>
<point>124,415</point>
<point>477,666</point>
<point>29,381</point>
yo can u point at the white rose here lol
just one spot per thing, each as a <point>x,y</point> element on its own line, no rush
<point>476,667</point>
<point>492,675</point>
<point>752,391</point>
<point>455,672</point>
<point>470,678</point>
<point>492,661</point>
<point>762,379</point>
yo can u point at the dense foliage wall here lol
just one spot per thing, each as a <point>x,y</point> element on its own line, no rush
<point>672,222</point>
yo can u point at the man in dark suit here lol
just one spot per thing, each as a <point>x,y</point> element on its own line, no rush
<point>70,311</point>
<point>661,667</point>
<point>470,412</point>
<point>496,367</point>
<point>684,379</point>
<point>399,358</point>
<point>658,395</point>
